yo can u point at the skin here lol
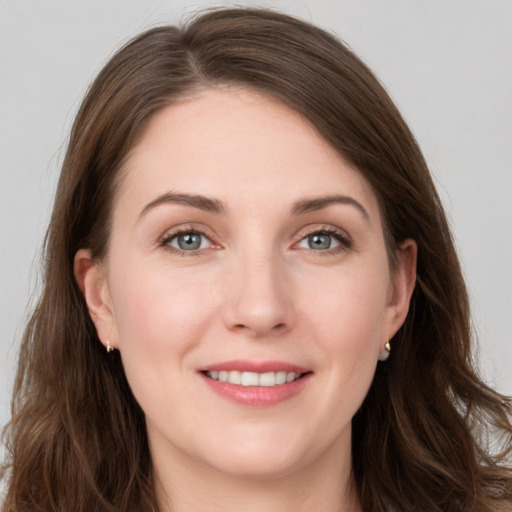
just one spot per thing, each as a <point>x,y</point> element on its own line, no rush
<point>257,289</point>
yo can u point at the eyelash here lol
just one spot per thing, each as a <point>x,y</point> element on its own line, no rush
<point>343,239</point>
<point>340,236</point>
<point>169,237</point>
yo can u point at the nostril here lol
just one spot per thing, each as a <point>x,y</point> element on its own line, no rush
<point>276,328</point>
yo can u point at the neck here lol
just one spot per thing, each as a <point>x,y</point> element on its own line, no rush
<point>324,485</point>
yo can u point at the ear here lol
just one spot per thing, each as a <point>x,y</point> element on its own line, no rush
<point>403,280</point>
<point>91,279</point>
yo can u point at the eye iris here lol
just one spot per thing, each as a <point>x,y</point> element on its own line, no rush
<point>189,241</point>
<point>319,241</point>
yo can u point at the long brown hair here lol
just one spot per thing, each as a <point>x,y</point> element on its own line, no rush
<point>421,440</point>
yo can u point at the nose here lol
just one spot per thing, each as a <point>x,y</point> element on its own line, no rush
<point>259,298</point>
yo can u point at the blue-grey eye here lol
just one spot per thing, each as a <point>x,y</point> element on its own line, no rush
<point>319,242</point>
<point>189,241</point>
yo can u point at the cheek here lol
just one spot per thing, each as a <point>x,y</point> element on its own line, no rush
<point>349,320</point>
<point>158,320</point>
<point>155,308</point>
<point>348,307</point>
<point>159,323</point>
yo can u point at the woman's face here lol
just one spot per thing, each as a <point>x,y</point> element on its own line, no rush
<point>244,248</point>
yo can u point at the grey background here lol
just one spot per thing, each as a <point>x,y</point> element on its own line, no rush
<point>447,64</point>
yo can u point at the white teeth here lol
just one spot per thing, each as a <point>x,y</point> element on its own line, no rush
<point>281,377</point>
<point>267,379</point>
<point>249,379</point>
<point>235,377</point>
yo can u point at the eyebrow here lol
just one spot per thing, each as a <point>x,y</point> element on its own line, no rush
<point>317,203</point>
<point>195,200</point>
<point>212,205</point>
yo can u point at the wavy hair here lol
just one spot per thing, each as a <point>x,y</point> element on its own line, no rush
<point>430,435</point>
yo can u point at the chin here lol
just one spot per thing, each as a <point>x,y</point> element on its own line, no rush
<point>262,466</point>
<point>267,455</point>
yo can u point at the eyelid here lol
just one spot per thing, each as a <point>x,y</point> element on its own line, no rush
<point>170,234</point>
<point>322,228</point>
<point>340,234</point>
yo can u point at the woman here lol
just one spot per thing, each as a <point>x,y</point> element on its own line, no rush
<point>252,298</point>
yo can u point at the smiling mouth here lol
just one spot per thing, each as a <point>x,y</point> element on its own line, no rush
<point>266,379</point>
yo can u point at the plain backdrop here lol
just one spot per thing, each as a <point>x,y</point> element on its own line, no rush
<point>446,63</point>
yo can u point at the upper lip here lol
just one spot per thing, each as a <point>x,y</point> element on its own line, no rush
<point>255,366</point>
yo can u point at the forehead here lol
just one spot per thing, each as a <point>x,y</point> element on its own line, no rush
<point>239,146</point>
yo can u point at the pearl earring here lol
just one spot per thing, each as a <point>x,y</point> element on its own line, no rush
<point>385,355</point>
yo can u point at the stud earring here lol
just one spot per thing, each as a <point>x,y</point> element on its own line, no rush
<point>385,355</point>
<point>109,347</point>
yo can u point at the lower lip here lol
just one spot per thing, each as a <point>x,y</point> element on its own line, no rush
<point>257,396</point>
